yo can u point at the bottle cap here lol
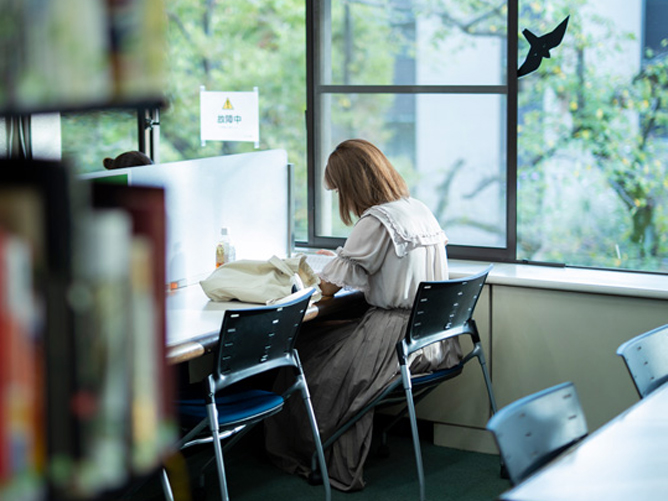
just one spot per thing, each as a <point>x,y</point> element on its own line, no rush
<point>223,231</point>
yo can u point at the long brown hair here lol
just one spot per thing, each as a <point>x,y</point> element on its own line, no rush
<point>363,177</point>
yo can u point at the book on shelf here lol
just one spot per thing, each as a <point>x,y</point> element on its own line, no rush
<point>81,54</point>
<point>22,445</point>
<point>154,383</point>
<point>35,207</point>
<point>100,400</point>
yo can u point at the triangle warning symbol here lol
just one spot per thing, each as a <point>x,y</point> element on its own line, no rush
<point>228,105</point>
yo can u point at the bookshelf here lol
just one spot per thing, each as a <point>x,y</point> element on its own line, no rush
<point>84,389</point>
<point>78,55</point>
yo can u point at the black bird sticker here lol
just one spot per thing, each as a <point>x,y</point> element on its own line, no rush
<point>540,47</point>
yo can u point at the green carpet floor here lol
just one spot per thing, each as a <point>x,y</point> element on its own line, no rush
<point>450,475</point>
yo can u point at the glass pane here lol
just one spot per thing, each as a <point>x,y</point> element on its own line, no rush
<point>449,148</point>
<point>90,137</point>
<point>410,42</point>
<point>593,139</point>
<point>236,46</point>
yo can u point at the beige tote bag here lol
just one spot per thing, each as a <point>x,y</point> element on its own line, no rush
<point>264,282</point>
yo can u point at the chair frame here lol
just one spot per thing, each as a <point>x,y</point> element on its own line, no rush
<point>239,359</point>
<point>636,353</point>
<point>401,389</point>
<point>534,430</point>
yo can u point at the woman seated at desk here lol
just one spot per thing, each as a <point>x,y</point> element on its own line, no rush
<point>396,244</point>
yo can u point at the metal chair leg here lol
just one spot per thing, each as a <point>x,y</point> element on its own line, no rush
<point>503,473</point>
<point>218,449</point>
<point>316,438</point>
<point>488,380</point>
<point>405,374</point>
<point>166,487</point>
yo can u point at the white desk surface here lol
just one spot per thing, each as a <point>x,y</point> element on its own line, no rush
<point>194,321</point>
<point>191,314</point>
<point>626,459</point>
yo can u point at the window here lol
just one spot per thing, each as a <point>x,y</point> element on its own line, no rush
<point>565,165</point>
<point>592,178</point>
<point>237,46</point>
<point>233,46</point>
<point>425,82</point>
<point>88,138</point>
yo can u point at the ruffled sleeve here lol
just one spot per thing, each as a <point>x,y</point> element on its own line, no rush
<point>361,256</point>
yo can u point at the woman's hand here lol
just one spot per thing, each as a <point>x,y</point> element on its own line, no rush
<point>328,288</point>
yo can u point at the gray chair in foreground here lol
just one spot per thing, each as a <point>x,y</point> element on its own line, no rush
<point>533,430</point>
<point>441,310</point>
<point>646,358</point>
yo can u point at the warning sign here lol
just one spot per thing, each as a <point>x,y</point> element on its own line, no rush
<point>229,116</point>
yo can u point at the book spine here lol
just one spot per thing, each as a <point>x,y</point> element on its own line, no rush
<point>21,426</point>
<point>144,339</point>
<point>102,395</point>
<point>5,372</point>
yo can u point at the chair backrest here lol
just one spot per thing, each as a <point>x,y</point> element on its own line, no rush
<point>442,309</point>
<point>646,358</point>
<point>535,429</point>
<point>256,340</point>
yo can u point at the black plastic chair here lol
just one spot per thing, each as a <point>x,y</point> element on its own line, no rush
<point>646,358</point>
<point>252,342</point>
<point>441,310</point>
<point>534,430</point>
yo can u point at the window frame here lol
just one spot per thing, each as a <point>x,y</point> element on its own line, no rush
<point>315,58</point>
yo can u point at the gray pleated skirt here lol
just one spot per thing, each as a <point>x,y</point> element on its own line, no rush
<point>346,364</point>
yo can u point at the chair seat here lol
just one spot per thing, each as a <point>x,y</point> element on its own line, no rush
<point>419,383</point>
<point>438,375</point>
<point>234,408</point>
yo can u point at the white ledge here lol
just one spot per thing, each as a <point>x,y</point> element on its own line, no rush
<point>618,283</point>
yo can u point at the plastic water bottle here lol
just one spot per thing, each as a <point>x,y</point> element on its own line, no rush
<point>225,251</point>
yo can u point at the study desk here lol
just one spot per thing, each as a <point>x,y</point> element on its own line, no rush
<point>194,321</point>
<point>626,459</point>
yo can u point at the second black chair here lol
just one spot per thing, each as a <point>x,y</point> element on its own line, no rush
<point>441,310</point>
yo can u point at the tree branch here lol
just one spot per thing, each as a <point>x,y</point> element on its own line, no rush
<point>175,19</point>
<point>649,123</point>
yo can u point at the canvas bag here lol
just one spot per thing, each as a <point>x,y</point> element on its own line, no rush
<point>264,282</point>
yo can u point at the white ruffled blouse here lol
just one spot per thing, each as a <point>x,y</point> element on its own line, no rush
<point>391,249</point>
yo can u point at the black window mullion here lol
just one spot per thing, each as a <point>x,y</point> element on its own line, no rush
<point>511,131</point>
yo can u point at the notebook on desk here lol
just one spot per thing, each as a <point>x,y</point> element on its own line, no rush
<point>318,261</point>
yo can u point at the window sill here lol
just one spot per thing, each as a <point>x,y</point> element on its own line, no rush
<point>618,283</point>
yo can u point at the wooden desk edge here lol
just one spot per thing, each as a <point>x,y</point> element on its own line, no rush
<point>183,352</point>
<point>344,302</point>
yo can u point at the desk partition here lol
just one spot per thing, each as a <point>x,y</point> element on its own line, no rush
<point>248,193</point>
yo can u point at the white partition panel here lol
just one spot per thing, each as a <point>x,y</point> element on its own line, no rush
<point>248,193</point>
